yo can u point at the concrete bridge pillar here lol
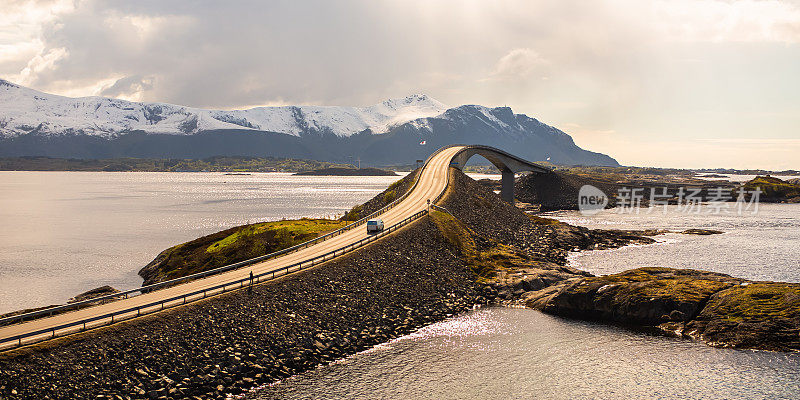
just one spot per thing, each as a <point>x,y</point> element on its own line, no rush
<point>506,163</point>
<point>507,186</point>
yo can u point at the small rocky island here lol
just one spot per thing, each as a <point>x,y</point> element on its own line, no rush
<point>335,171</point>
<point>775,190</point>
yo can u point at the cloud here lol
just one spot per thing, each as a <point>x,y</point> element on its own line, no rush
<point>518,63</point>
<point>42,63</point>
<point>358,52</point>
<point>640,68</point>
<point>22,24</point>
<point>750,21</point>
<point>129,87</point>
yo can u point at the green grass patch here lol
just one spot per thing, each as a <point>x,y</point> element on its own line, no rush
<point>545,221</point>
<point>455,232</point>
<point>285,230</point>
<point>234,245</point>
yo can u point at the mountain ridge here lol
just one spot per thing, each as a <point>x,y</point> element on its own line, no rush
<point>395,131</point>
<point>21,108</point>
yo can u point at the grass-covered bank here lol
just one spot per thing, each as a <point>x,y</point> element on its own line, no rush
<point>233,245</point>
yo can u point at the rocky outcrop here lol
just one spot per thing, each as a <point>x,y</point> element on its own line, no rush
<point>522,260</point>
<point>721,310</point>
<point>559,190</point>
<point>513,252</point>
<point>759,315</point>
<point>643,296</point>
<point>702,232</point>
<point>94,293</point>
<point>773,190</point>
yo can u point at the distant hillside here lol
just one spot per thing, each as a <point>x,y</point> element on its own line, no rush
<point>397,131</point>
<point>348,172</point>
<point>212,164</point>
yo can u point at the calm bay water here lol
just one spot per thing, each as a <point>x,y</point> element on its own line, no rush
<point>761,246</point>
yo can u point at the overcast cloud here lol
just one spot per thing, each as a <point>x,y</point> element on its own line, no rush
<point>670,83</point>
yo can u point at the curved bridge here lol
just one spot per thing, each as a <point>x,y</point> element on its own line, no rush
<point>429,186</point>
<point>508,165</point>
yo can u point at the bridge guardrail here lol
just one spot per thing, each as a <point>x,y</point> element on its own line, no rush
<point>148,288</point>
<point>203,293</point>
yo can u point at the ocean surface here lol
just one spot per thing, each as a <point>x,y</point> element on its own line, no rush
<point>66,232</point>
<point>760,246</point>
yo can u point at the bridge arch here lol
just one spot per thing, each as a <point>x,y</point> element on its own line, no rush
<point>508,165</point>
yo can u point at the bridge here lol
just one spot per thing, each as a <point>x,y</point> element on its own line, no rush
<point>508,165</point>
<point>429,186</point>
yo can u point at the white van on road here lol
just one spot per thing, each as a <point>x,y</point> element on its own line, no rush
<point>374,225</point>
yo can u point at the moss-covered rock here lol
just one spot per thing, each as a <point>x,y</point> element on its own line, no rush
<point>774,189</point>
<point>647,296</point>
<point>508,269</point>
<point>763,315</point>
<point>233,245</point>
<point>721,310</point>
<point>702,232</point>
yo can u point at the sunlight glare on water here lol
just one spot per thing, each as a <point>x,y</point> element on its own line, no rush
<point>506,353</point>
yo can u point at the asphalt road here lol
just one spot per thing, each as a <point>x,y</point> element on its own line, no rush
<point>433,181</point>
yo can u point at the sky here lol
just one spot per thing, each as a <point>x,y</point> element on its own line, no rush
<point>680,83</point>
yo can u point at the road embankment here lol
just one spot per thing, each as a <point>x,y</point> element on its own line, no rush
<point>232,342</point>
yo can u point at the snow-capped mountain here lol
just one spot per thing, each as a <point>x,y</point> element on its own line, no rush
<point>397,131</point>
<point>23,110</point>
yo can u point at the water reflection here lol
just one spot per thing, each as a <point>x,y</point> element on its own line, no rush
<point>502,353</point>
